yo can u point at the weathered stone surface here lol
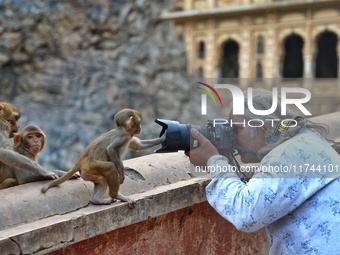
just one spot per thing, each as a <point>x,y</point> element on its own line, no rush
<point>58,231</point>
<point>35,223</point>
<point>155,170</point>
<point>196,229</point>
<point>25,203</point>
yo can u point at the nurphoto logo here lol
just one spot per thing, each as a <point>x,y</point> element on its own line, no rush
<point>209,90</point>
<point>238,99</point>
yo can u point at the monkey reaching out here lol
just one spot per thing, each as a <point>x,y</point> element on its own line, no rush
<point>29,143</point>
<point>101,161</point>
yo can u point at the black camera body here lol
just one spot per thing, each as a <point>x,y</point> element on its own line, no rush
<point>218,131</point>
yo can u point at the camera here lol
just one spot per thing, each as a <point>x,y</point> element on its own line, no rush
<point>218,131</point>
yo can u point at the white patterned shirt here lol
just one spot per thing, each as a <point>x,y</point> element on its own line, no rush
<point>294,195</point>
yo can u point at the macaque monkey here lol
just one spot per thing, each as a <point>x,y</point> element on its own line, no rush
<point>101,161</point>
<point>10,160</point>
<point>9,116</point>
<point>29,143</point>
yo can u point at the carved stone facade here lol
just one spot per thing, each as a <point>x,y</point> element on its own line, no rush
<point>260,38</point>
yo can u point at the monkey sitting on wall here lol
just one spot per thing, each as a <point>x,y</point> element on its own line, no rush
<point>10,160</point>
<point>101,161</point>
<point>29,143</point>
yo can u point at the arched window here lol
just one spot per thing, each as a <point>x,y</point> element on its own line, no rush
<point>259,71</point>
<point>201,50</point>
<point>293,58</point>
<point>229,63</point>
<point>260,45</point>
<point>327,56</point>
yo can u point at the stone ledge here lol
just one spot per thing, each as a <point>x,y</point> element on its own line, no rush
<point>36,223</point>
<point>52,233</point>
<point>25,203</point>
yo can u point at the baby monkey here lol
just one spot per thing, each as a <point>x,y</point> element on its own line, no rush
<point>101,161</point>
<point>29,143</point>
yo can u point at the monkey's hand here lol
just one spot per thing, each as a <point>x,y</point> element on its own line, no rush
<point>51,175</point>
<point>120,170</point>
<point>76,176</point>
<point>121,177</point>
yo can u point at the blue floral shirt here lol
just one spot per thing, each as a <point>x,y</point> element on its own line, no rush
<point>294,194</point>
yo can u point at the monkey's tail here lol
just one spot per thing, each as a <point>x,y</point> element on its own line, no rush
<point>60,180</point>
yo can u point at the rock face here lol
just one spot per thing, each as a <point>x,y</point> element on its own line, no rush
<point>71,65</point>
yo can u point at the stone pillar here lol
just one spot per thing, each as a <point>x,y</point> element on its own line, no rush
<point>209,67</point>
<point>271,65</point>
<point>308,71</point>
<point>211,4</point>
<point>189,44</point>
<point>307,66</point>
<point>188,5</point>
<point>244,54</point>
<point>308,49</point>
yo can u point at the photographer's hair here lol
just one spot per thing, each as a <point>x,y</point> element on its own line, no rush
<point>263,100</point>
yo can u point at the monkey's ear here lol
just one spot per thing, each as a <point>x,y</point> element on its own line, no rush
<point>130,122</point>
<point>16,139</point>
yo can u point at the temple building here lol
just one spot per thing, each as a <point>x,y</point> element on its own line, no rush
<point>258,39</point>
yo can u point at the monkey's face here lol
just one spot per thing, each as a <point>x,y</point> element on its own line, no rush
<point>34,142</point>
<point>134,126</point>
<point>15,124</point>
<point>10,115</point>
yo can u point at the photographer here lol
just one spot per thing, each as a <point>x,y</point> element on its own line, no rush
<point>299,207</point>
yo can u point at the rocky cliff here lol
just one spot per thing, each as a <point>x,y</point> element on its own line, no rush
<point>71,65</point>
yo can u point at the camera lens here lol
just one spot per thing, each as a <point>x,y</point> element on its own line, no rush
<point>178,135</point>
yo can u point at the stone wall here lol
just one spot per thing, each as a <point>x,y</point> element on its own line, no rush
<point>196,229</point>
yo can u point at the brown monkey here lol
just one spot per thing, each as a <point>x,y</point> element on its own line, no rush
<point>101,160</point>
<point>29,143</point>
<point>9,116</point>
<point>10,160</point>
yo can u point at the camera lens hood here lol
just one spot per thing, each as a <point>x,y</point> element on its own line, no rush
<point>177,136</point>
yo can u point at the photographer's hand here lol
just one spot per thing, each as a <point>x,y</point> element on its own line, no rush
<point>199,156</point>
